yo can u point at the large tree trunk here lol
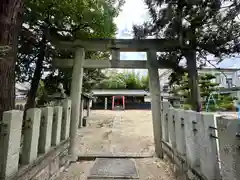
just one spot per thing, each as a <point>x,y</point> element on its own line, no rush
<point>193,80</point>
<point>10,23</point>
<point>31,103</point>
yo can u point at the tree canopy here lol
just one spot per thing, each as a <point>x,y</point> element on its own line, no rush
<point>47,20</point>
<point>124,80</point>
<point>202,27</point>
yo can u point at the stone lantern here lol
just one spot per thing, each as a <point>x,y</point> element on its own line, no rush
<point>59,95</point>
<point>175,101</point>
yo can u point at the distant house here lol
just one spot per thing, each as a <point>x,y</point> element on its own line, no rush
<point>227,78</point>
<point>124,98</point>
<point>21,90</point>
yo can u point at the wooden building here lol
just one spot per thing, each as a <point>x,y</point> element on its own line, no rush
<point>118,98</point>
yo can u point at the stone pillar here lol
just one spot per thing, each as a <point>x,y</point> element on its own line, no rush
<point>171,128</point>
<point>66,119</point>
<point>165,114</point>
<point>180,133</point>
<point>105,103</point>
<point>208,145</point>
<point>88,107</point>
<point>76,91</point>
<point>115,55</point>
<point>11,128</point>
<point>229,147</point>
<point>90,103</point>
<point>57,123</point>
<point>191,134</point>
<point>45,129</point>
<point>31,135</point>
<point>81,113</point>
<point>154,84</point>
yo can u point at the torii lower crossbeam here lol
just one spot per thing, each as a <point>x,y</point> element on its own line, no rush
<point>101,64</point>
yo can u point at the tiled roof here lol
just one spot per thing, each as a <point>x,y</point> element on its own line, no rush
<point>124,92</point>
<point>20,97</point>
<point>22,86</point>
<point>21,91</point>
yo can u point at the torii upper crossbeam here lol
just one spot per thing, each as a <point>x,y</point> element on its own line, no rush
<point>116,46</point>
<point>123,45</point>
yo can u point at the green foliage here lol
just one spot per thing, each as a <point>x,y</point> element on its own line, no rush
<point>124,80</point>
<point>187,107</point>
<point>42,94</point>
<point>207,88</point>
<point>145,82</point>
<point>198,25</point>
<point>48,20</point>
<point>132,80</point>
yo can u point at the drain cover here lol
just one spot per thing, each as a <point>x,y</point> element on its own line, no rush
<point>114,168</point>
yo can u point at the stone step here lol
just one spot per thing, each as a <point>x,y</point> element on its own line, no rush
<point>92,156</point>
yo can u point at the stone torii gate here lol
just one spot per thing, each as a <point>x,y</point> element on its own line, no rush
<point>150,46</point>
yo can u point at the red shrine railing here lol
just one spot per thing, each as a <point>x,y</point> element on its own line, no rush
<point>118,97</point>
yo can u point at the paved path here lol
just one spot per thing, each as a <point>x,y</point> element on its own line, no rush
<point>119,132</point>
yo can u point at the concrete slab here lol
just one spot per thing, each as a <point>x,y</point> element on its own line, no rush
<point>91,156</point>
<point>114,168</point>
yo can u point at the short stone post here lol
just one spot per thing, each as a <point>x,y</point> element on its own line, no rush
<point>66,119</point>
<point>81,113</point>
<point>191,132</point>
<point>165,112</point>
<point>10,139</point>
<point>171,127</point>
<point>57,123</point>
<point>45,129</point>
<point>229,142</point>
<point>88,107</point>
<point>209,146</point>
<point>31,135</point>
<point>180,134</point>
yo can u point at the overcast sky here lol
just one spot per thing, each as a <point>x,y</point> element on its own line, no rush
<point>135,12</point>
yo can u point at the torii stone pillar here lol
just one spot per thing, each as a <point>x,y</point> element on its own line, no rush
<point>154,84</point>
<point>76,91</point>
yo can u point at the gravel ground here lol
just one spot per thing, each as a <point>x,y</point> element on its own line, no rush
<point>119,132</point>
